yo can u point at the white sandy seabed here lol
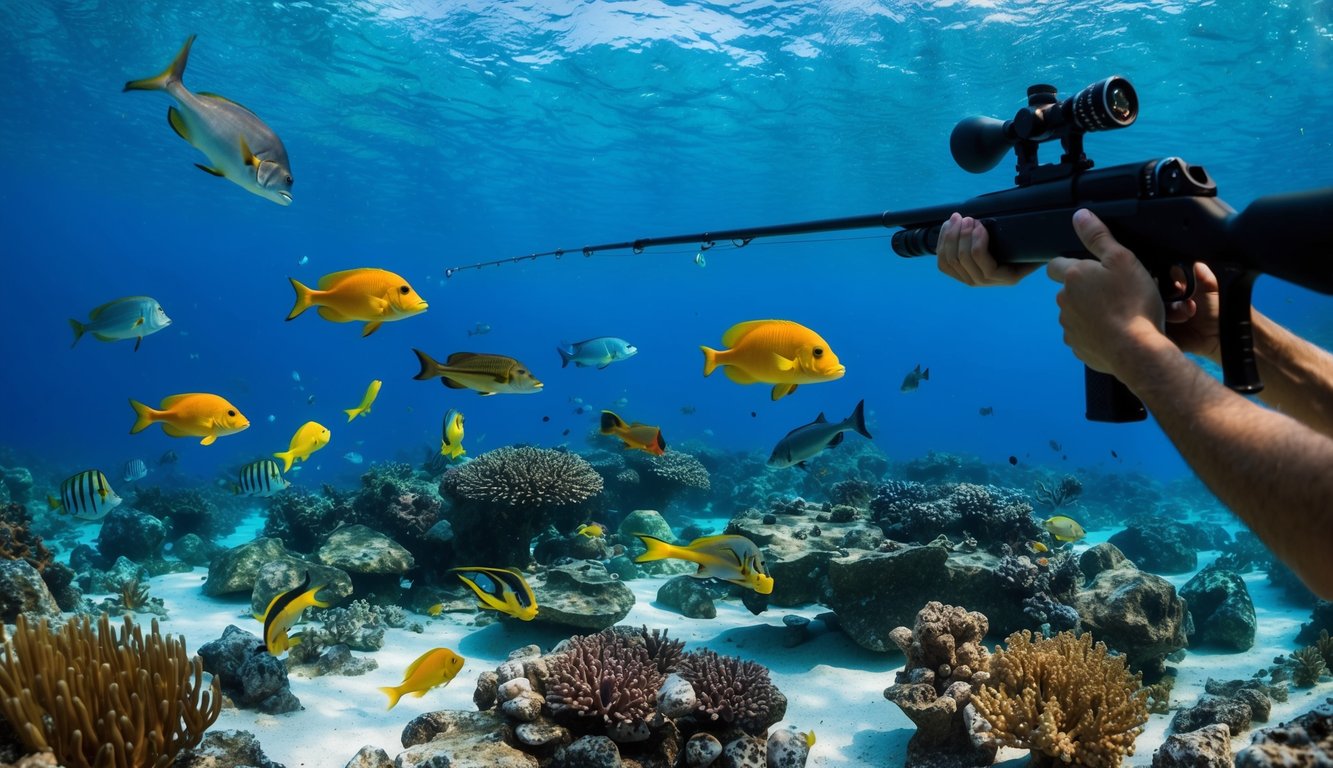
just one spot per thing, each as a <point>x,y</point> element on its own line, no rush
<point>832,685</point>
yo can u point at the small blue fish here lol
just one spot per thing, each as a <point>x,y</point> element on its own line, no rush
<point>480,329</point>
<point>599,352</point>
<point>132,317</point>
<point>354,457</point>
<point>135,469</point>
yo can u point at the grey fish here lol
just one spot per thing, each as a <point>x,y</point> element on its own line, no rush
<point>806,442</point>
<point>487,374</point>
<point>132,317</point>
<point>135,469</point>
<point>480,329</point>
<point>599,352</point>
<point>914,378</point>
<point>240,146</point>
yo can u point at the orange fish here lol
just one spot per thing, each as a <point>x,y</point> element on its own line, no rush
<point>195,414</point>
<point>636,436</point>
<point>370,296</point>
<point>777,352</point>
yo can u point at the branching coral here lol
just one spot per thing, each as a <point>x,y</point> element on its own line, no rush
<point>733,690</point>
<point>607,676</point>
<point>1061,494</point>
<point>1308,666</point>
<point>133,594</point>
<point>662,479</point>
<point>102,699</point>
<point>1065,699</point>
<point>524,476</point>
<point>665,652</point>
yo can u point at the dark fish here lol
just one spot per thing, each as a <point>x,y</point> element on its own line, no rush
<point>487,374</point>
<point>914,378</point>
<point>169,457</point>
<point>1055,446</point>
<point>1013,460</point>
<point>480,329</point>
<point>809,440</point>
<point>546,418</point>
<point>688,410</point>
<point>1114,455</point>
<point>986,410</point>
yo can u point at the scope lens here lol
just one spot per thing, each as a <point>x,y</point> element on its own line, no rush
<point>1106,105</point>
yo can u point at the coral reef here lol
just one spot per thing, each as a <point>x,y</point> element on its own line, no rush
<point>662,479</point>
<point>1305,741</point>
<point>732,690</point>
<point>996,517</point>
<point>1307,666</point>
<point>17,541</point>
<point>503,498</point>
<point>1060,494</point>
<point>301,518</point>
<point>605,677</point>
<point>102,698</point>
<point>1063,698</point>
<point>184,510</point>
<point>394,501</point>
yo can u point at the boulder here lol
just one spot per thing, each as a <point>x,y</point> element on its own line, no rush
<point>130,533</point>
<point>1134,612</point>
<point>359,549</point>
<point>1221,608</point>
<point>23,591</point>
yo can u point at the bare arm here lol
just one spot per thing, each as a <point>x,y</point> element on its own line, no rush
<point>1297,375</point>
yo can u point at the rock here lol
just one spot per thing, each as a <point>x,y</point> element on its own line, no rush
<point>1133,612</point>
<point>948,729</point>
<point>1102,557</point>
<point>688,596</point>
<point>226,749</point>
<point>17,482</point>
<point>525,707</point>
<point>862,537</point>
<point>236,569</point>
<point>513,687</point>
<point>60,579</point>
<point>130,533</point>
<point>1209,710</point>
<point>359,549</point>
<point>1321,618</point>
<point>460,726</point>
<point>581,595</point>
<point>1221,608</point>
<point>253,679</point>
<point>744,752</point>
<point>629,733</point>
<point>23,591</point>
<point>193,550</point>
<point>787,749</point>
<point>1158,545</point>
<point>1305,741</point>
<point>338,660</point>
<point>801,579</point>
<point>676,697</point>
<point>286,573</point>
<point>646,521</point>
<point>702,749</point>
<point>370,757</point>
<point>440,533</point>
<point>588,752</point>
<point>1208,747</point>
<point>541,734</point>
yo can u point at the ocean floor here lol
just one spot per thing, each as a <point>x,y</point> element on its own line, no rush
<point>833,686</point>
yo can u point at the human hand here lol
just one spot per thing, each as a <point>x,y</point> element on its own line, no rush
<point>1110,307</point>
<point>1192,323</point>
<point>964,255</point>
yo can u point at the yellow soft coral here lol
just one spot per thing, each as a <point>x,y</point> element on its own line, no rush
<point>1063,698</point>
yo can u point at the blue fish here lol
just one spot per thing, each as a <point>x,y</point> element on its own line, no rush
<point>599,352</point>
<point>135,469</point>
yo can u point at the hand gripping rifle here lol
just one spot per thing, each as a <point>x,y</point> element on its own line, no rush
<point>1165,210</point>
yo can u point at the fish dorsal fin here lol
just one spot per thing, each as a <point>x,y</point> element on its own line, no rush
<point>414,665</point>
<point>821,418</point>
<point>738,331</point>
<point>459,357</point>
<point>333,278</point>
<point>177,123</point>
<point>169,402</point>
<point>104,307</point>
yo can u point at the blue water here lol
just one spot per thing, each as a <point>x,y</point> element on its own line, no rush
<point>425,135</point>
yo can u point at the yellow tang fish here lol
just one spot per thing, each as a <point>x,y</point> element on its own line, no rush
<point>132,317</point>
<point>433,668</point>
<point>1064,528</point>
<point>487,374</point>
<point>591,530</point>
<point>283,611</point>
<point>86,496</point>
<point>240,146</point>
<point>435,610</point>
<point>730,558</point>
<point>309,437</point>
<point>368,295</point>
<point>194,414</point>
<point>372,392</point>
<point>777,352</point>
<point>501,589</point>
<point>451,440</point>
<point>635,436</point>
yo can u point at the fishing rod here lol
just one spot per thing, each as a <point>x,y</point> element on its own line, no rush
<point>1165,210</point>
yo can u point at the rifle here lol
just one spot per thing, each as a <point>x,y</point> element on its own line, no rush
<point>1165,210</point>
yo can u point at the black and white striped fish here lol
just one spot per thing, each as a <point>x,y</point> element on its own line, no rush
<point>260,478</point>
<point>135,469</point>
<point>87,496</point>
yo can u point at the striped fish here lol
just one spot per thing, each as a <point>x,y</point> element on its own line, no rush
<point>260,478</point>
<point>500,589</point>
<point>87,496</point>
<point>135,469</point>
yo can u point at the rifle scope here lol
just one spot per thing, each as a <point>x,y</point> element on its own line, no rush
<point>979,143</point>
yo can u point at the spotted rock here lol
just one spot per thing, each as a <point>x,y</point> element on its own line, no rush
<point>701,750</point>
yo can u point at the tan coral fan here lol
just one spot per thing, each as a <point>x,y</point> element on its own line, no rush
<point>1065,699</point>
<point>98,699</point>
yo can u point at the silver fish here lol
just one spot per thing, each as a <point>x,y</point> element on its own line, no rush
<point>132,317</point>
<point>87,496</point>
<point>807,441</point>
<point>240,146</point>
<point>599,352</point>
<point>135,469</point>
<point>354,457</point>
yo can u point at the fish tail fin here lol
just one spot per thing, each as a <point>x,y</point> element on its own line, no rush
<point>657,549</point>
<point>143,416</point>
<point>78,331</point>
<point>394,695</point>
<point>565,357</point>
<point>429,367</point>
<point>305,299</point>
<point>611,422</point>
<point>925,375</point>
<point>286,457</point>
<point>710,360</point>
<point>858,420</point>
<point>352,413</point>
<point>52,502</point>
<point>172,74</point>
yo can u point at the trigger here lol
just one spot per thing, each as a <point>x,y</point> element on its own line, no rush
<point>1186,272</point>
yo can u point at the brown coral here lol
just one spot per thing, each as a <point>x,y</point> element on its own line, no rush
<point>98,699</point>
<point>518,476</point>
<point>1063,698</point>
<point>733,690</point>
<point>17,541</point>
<point>608,676</point>
<point>946,641</point>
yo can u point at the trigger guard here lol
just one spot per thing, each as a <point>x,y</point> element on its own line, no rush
<point>1188,271</point>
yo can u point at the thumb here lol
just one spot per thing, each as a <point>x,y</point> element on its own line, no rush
<point>1097,238</point>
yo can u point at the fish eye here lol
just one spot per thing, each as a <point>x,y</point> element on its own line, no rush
<point>403,289</point>
<point>288,177</point>
<point>819,351</point>
<point>231,412</point>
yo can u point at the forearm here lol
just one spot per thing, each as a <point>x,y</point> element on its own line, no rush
<point>1271,470</point>
<point>1297,375</point>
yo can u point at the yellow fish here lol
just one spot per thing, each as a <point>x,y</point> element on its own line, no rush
<point>1037,546</point>
<point>1064,528</point>
<point>487,374</point>
<point>284,611</point>
<point>730,558</point>
<point>433,668</point>
<point>635,436</point>
<point>451,441</point>
<point>194,414</point>
<point>435,610</point>
<point>809,738</point>
<point>591,530</point>
<point>309,437</point>
<point>501,589</point>
<point>240,146</point>
<point>371,296</point>
<point>372,392</point>
<point>777,352</point>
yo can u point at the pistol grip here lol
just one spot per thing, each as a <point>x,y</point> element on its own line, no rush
<point>1109,400</point>
<point>1235,331</point>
